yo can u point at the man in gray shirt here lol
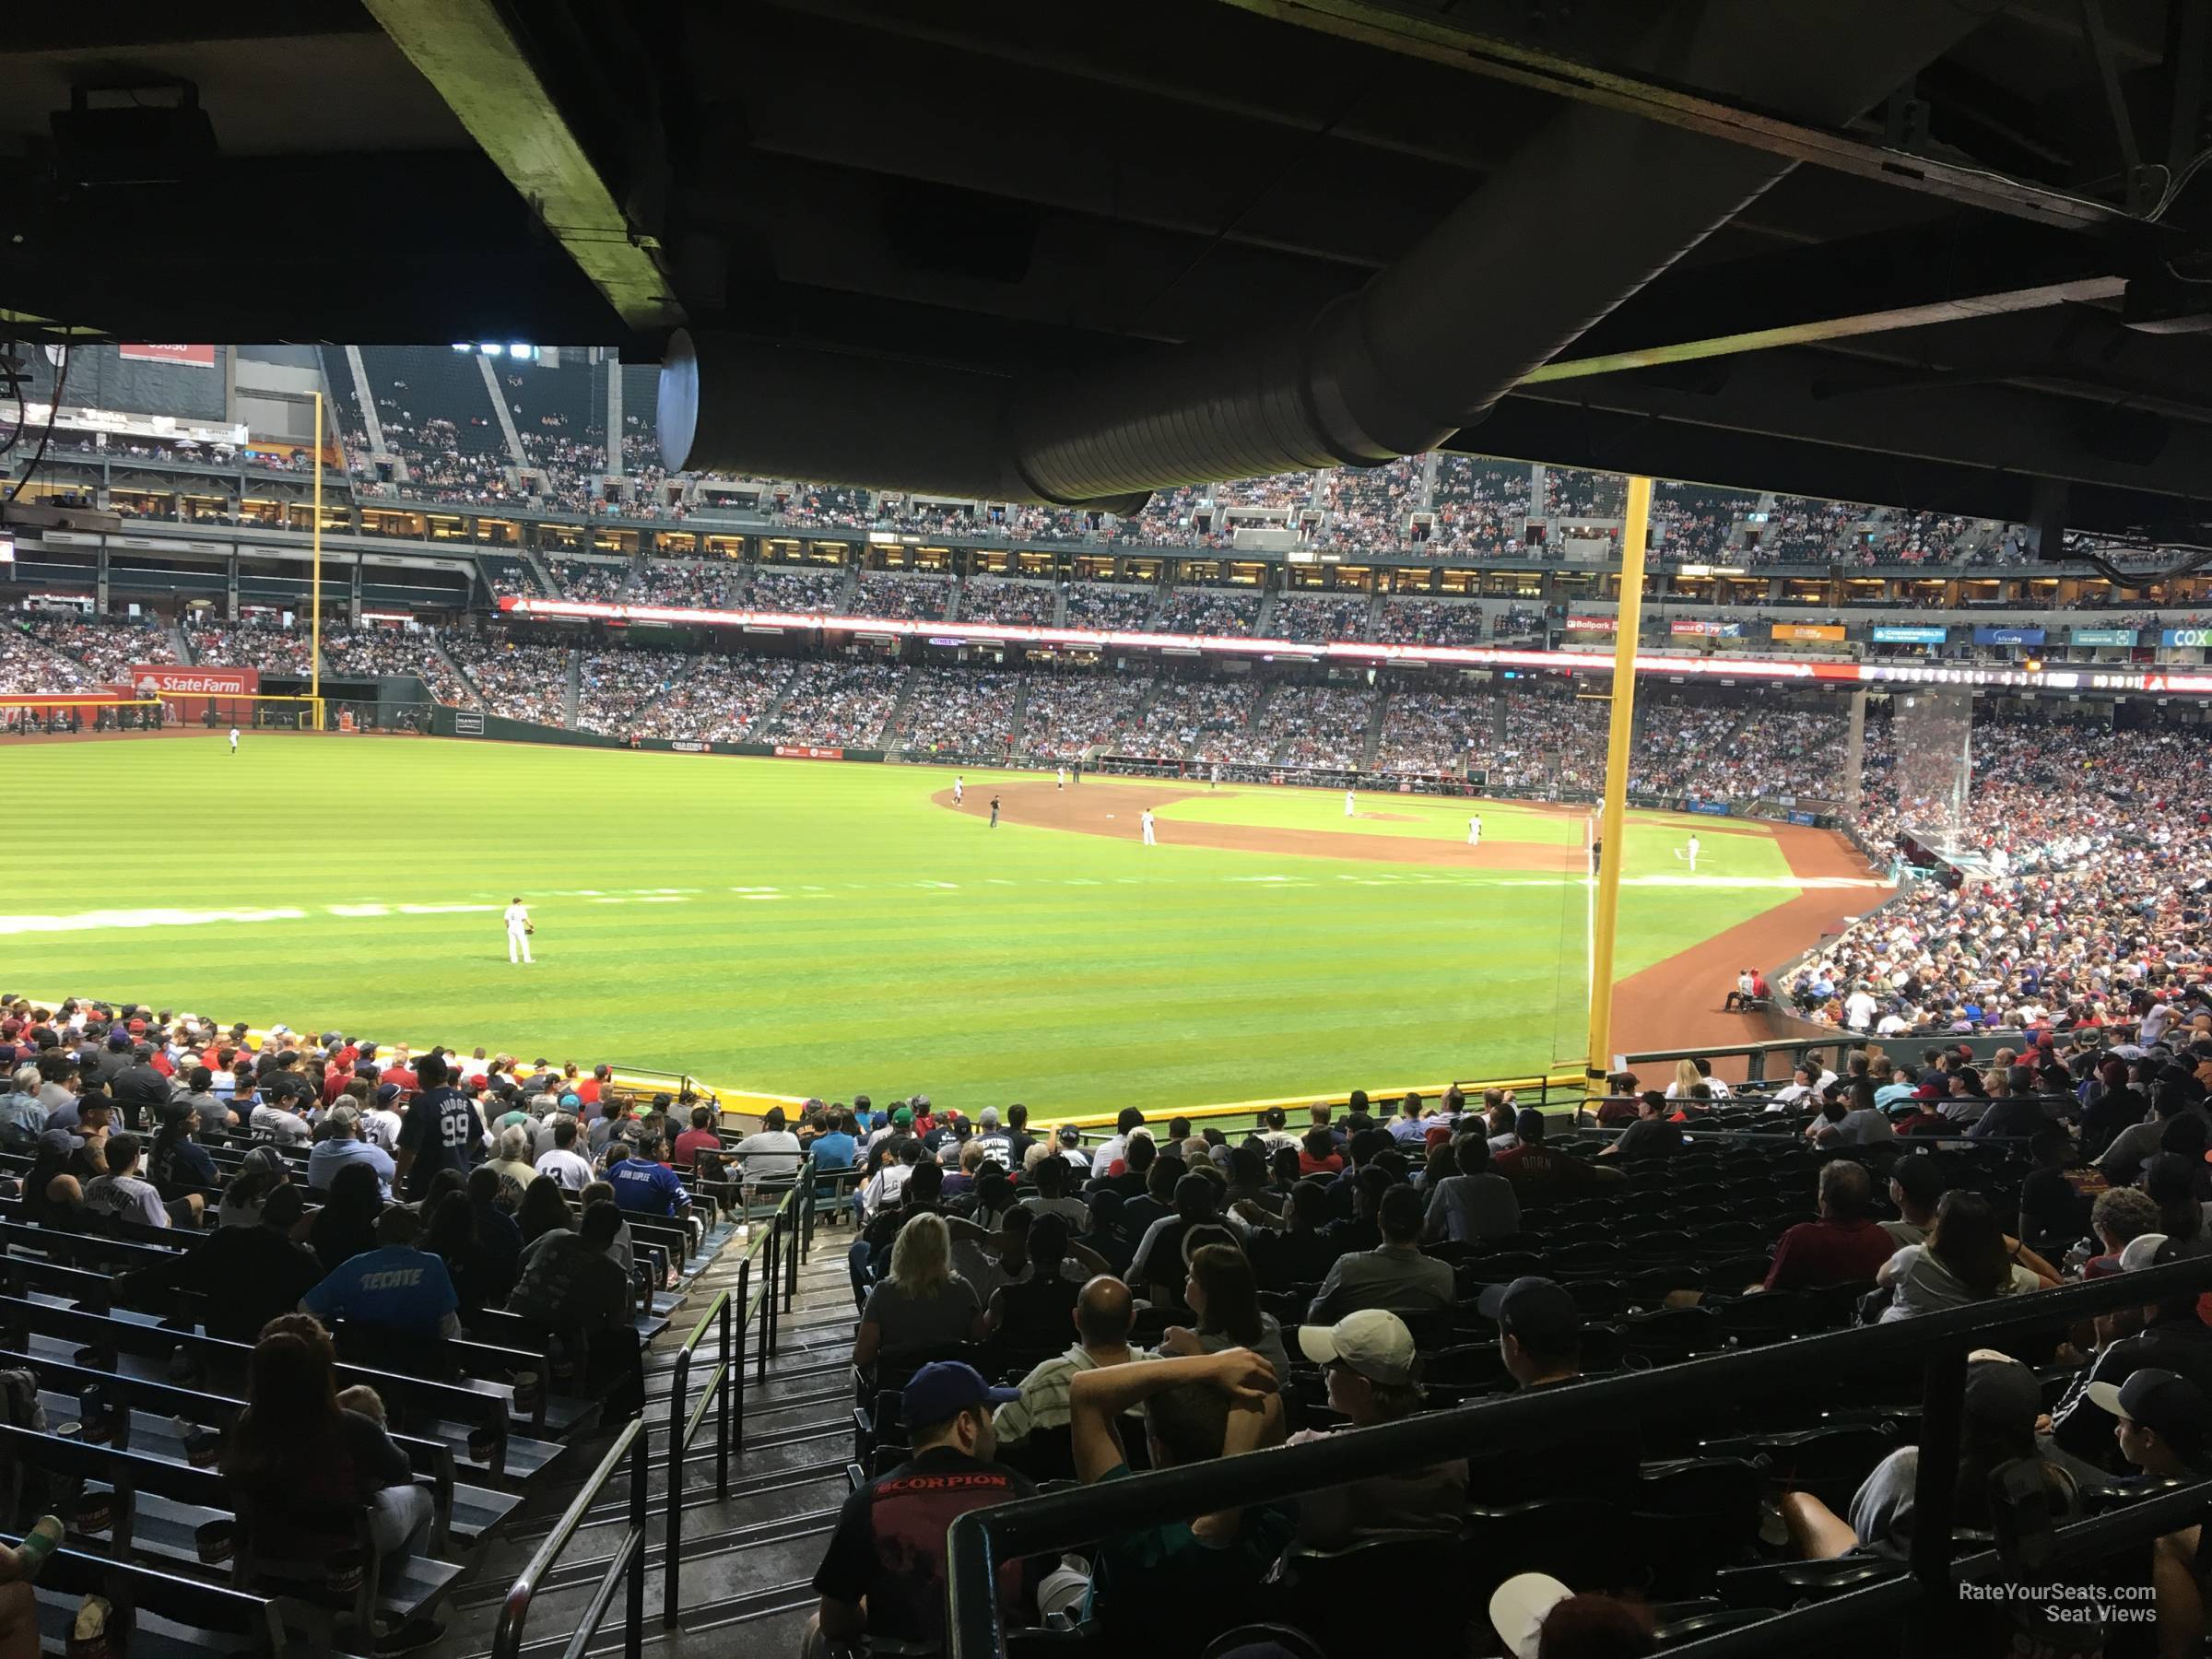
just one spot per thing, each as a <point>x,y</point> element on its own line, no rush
<point>1478,1202</point>
<point>1395,1276</point>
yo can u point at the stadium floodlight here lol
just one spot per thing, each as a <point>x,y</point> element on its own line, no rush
<point>491,348</point>
<point>521,351</point>
<point>462,345</point>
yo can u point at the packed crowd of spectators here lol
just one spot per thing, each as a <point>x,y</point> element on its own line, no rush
<point>522,682</point>
<point>1369,509</point>
<point>1206,720</point>
<point>2095,847</point>
<point>1109,607</point>
<point>841,703</point>
<point>107,649</point>
<point>1321,725</point>
<point>268,646</point>
<point>28,664</point>
<point>368,652</point>
<point>1433,622</point>
<point>690,584</point>
<point>1068,714</point>
<point>1571,493</point>
<point>901,597</point>
<point>1225,612</point>
<point>959,711</point>
<point>1320,617</point>
<point>796,592</point>
<point>1551,739</point>
<point>592,581</point>
<point>1480,506</point>
<point>722,700</point>
<point>1696,522</point>
<point>1013,604</point>
<point>619,691</point>
<point>1433,732</point>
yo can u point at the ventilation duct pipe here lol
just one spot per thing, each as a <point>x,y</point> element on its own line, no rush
<point>1424,349</point>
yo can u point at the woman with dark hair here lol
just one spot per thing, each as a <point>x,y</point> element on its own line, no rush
<point>1104,1235</point>
<point>302,1468</point>
<point>177,1164</point>
<point>2109,1103</point>
<point>1224,1296</point>
<point>54,1189</point>
<point>2169,1181</point>
<point>1967,1258</point>
<point>345,1225</point>
<point>544,1211</point>
<point>261,1172</point>
<point>2183,1138</point>
<point>450,1236</point>
<point>1443,1164</point>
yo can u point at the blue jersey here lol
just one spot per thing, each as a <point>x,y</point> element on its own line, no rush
<point>646,1187</point>
<point>397,1287</point>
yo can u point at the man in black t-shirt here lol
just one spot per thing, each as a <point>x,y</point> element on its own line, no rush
<point>883,1575</point>
<point>442,1131</point>
<point>1652,1134</point>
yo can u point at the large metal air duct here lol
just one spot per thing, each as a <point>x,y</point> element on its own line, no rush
<point>1592,206</point>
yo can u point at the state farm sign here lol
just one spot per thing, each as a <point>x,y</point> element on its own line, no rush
<point>152,679</point>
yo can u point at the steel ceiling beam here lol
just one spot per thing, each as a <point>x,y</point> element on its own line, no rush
<point>1434,40</point>
<point>470,55</point>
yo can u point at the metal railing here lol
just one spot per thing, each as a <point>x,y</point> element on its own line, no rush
<point>627,1562</point>
<point>982,1539</point>
<point>784,1243</point>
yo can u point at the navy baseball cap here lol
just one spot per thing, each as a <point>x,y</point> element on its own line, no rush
<point>944,1389</point>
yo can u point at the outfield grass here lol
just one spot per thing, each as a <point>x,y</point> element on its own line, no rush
<point>804,928</point>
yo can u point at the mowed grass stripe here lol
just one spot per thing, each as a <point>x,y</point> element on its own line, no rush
<point>1171,981</point>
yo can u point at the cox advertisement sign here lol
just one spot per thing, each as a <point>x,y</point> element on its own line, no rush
<point>2185,636</point>
<point>1911,635</point>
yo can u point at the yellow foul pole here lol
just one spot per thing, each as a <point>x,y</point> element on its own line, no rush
<point>1612,832</point>
<point>314,661</point>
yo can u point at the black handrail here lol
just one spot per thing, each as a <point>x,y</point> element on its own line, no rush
<point>627,1562</point>
<point>725,1386</point>
<point>980,1539</point>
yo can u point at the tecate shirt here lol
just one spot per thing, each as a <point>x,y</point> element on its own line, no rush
<point>397,1287</point>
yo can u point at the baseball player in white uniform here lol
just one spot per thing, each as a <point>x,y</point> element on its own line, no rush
<point>518,932</point>
<point>1147,822</point>
<point>1693,851</point>
<point>960,788</point>
<point>1060,777</point>
<point>1350,807</point>
<point>1474,830</point>
<point>234,740</point>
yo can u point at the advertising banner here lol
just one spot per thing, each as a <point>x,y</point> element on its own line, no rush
<point>1710,808</point>
<point>1806,818</point>
<point>149,679</point>
<point>195,357</point>
<point>2185,636</point>
<point>2008,636</point>
<point>1706,629</point>
<point>1594,625</point>
<point>1825,633</point>
<point>1910,635</point>
<point>808,754</point>
<point>2101,636</point>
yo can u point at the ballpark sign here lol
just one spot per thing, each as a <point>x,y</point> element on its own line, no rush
<point>154,679</point>
<point>195,357</point>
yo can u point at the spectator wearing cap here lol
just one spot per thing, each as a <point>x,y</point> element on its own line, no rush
<point>2135,1145</point>
<point>1395,1275</point>
<point>1653,1134</point>
<point>260,1172</point>
<point>139,1088</point>
<point>883,1574</point>
<point>1845,1246</point>
<point>342,1146</point>
<point>1373,1376</point>
<point>1921,1113</point>
<point>2052,1205</point>
<point>1916,1187</point>
<point>274,1120</point>
<point>247,1275</point>
<point>1540,1342</point>
<point>381,1124</point>
<point>1531,1165</point>
<point>210,1114</point>
<point>2172,1338</point>
<point>1071,1148</point>
<point>1996,1427</point>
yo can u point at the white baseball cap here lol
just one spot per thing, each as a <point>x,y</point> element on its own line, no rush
<point>1519,1607</point>
<point>2142,1252</point>
<point>1373,1341</point>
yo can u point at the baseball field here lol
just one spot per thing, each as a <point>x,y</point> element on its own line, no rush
<point>819,928</point>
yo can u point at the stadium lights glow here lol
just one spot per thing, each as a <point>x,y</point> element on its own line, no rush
<point>490,350</point>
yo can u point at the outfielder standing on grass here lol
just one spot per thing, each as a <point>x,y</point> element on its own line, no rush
<point>519,929</point>
<point>1690,851</point>
<point>234,740</point>
<point>1146,824</point>
<point>993,812</point>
